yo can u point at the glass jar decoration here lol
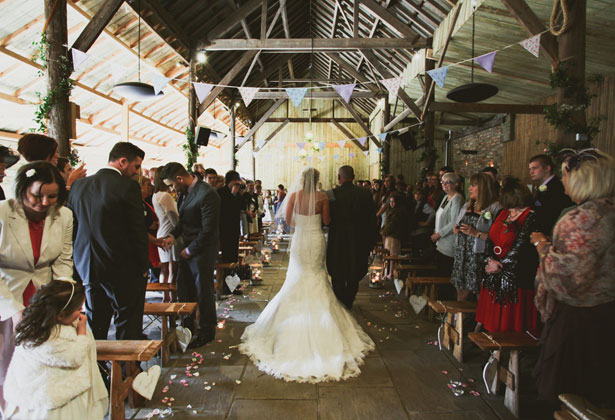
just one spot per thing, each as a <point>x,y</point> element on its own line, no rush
<point>256,268</point>
<point>266,255</point>
<point>275,244</point>
<point>376,270</point>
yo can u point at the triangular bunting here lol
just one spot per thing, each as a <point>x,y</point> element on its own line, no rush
<point>486,60</point>
<point>321,158</point>
<point>295,158</point>
<point>351,155</point>
<point>438,75</point>
<point>392,85</point>
<point>322,145</point>
<point>336,157</point>
<point>309,158</point>
<point>260,143</point>
<point>379,150</point>
<point>247,94</point>
<point>345,91</point>
<point>301,145</point>
<point>366,152</point>
<point>383,136</point>
<point>362,140</point>
<point>342,143</point>
<point>78,57</point>
<point>296,95</point>
<point>202,90</point>
<point>117,72</point>
<point>532,45</point>
<point>159,83</point>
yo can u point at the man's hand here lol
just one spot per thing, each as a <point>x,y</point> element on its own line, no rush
<point>167,242</point>
<point>76,174</point>
<point>435,237</point>
<point>493,266</point>
<point>185,255</point>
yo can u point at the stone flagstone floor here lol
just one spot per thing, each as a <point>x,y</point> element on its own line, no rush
<point>406,377</point>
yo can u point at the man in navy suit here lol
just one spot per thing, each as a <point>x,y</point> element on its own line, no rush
<point>110,246</point>
<point>549,198</point>
<point>199,215</point>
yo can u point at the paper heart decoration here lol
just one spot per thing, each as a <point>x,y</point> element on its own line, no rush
<point>417,303</point>
<point>399,284</point>
<point>184,336</point>
<point>145,382</point>
<point>232,282</point>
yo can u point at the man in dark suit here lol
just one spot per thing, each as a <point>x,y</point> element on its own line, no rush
<point>110,247</point>
<point>230,207</point>
<point>199,215</point>
<point>549,198</point>
<point>352,235</point>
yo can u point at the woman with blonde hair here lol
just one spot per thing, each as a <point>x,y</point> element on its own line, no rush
<point>472,230</point>
<point>575,287</point>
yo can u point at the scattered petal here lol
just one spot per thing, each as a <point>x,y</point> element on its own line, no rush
<point>208,388</point>
<point>445,372</point>
<point>237,381</point>
<point>173,376</point>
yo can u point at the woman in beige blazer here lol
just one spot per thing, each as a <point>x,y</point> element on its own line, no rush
<point>35,246</point>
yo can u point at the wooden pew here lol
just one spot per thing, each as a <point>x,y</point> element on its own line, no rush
<point>514,342</point>
<point>167,312</point>
<point>452,329</point>
<point>220,268</point>
<point>117,351</point>
<point>430,282</point>
<point>412,270</point>
<point>161,287</point>
<point>575,407</point>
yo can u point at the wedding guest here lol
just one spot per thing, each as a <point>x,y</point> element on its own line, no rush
<point>168,217</point>
<point>7,159</point>
<point>506,300</point>
<point>199,217</point>
<point>388,189</point>
<point>423,219</point>
<point>443,170</point>
<point>377,191</point>
<point>395,229</point>
<point>575,291</point>
<point>111,247</point>
<point>260,211</point>
<point>64,168</point>
<point>251,207</point>
<point>230,208</point>
<point>550,198</point>
<point>243,213</point>
<point>472,230</point>
<point>211,177</point>
<point>436,191</point>
<point>268,203</point>
<point>492,172</point>
<point>40,147</point>
<point>26,265</point>
<point>199,170</point>
<point>446,215</point>
<point>219,182</point>
<point>151,222</point>
<point>53,373</point>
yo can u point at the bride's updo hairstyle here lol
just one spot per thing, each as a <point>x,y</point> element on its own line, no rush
<point>309,179</point>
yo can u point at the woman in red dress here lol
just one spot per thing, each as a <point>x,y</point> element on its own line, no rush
<point>506,301</point>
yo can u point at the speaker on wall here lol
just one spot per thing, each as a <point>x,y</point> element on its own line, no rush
<point>408,141</point>
<point>202,135</point>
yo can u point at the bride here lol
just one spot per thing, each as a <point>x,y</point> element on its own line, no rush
<point>305,334</point>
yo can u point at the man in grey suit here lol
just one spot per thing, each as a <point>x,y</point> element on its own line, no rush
<point>199,214</point>
<point>352,235</point>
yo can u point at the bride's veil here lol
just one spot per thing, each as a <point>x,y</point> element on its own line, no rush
<point>302,197</point>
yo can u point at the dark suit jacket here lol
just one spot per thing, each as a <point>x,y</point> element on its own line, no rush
<point>230,206</point>
<point>199,216</point>
<point>109,227</point>
<point>549,204</point>
<point>352,232</point>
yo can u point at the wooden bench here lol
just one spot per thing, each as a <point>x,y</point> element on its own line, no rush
<point>430,284</point>
<point>220,268</point>
<point>167,312</point>
<point>513,342</point>
<point>451,328</point>
<point>161,287</point>
<point>412,270</point>
<point>575,407</point>
<point>117,351</point>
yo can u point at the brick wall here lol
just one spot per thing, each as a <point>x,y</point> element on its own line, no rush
<point>486,141</point>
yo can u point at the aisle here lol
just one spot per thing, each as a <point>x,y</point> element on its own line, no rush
<point>407,377</point>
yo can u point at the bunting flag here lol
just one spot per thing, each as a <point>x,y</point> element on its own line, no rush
<point>78,57</point>
<point>117,72</point>
<point>392,85</point>
<point>366,152</point>
<point>300,145</point>
<point>532,45</point>
<point>342,143</point>
<point>438,75</point>
<point>362,140</point>
<point>260,143</point>
<point>159,83</point>
<point>295,158</point>
<point>383,136</point>
<point>321,158</point>
<point>296,95</point>
<point>345,91</point>
<point>202,90</point>
<point>351,155</point>
<point>379,149</point>
<point>486,60</point>
<point>322,145</point>
<point>336,157</point>
<point>247,94</point>
<point>309,158</point>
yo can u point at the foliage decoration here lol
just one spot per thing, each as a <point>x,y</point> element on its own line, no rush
<point>190,149</point>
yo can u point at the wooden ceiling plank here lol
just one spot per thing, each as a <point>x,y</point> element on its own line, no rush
<point>487,108</point>
<point>390,19</point>
<point>332,35</point>
<point>16,33</point>
<point>308,45</point>
<point>235,18</point>
<point>96,25</point>
<point>170,24</point>
<point>351,70</point>
<point>284,18</point>
<point>372,32</point>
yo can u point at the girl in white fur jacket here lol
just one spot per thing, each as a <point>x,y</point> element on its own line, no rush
<point>53,373</point>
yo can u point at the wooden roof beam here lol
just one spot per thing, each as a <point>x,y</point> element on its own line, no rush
<point>319,95</point>
<point>308,45</point>
<point>274,133</point>
<point>235,18</point>
<point>487,108</point>
<point>97,24</point>
<point>347,133</point>
<point>351,70</point>
<point>390,20</point>
<point>261,121</point>
<point>357,117</point>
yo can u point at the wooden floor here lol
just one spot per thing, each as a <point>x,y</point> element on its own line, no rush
<point>405,378</point>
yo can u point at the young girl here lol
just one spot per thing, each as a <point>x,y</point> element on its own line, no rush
<point>53,373</point>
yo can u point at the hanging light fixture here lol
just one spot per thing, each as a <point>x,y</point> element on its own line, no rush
<point>137,91</point>
<point>472,92</point>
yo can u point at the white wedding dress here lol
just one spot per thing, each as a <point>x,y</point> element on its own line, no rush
<point>305,334</point>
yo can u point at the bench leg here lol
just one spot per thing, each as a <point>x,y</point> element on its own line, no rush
<point>446,338</point>
<point>165,340</point>
<point>495,384</point>
<point>120,389</point>
<point>134,399</point>
<point>458,345</point>
<point>511,396</point>
<point>432,296</point>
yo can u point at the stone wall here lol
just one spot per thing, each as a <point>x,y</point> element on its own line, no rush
<point>474,149</point>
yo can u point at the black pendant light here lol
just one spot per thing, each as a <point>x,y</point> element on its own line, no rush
<point>137,91</point>
<point>472,92</point>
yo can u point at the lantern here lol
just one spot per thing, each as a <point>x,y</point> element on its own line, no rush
<point>275,244</point>
<point>376,270</point>
<point>266,255</point>
<point>256,268</point>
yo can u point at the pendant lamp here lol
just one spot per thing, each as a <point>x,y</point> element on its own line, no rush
<point>137,91</point>
<point>472,92</point>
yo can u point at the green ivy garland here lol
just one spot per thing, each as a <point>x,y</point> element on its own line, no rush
<point>62,90</point>
<point>560,116</point>
<point>190,149</point>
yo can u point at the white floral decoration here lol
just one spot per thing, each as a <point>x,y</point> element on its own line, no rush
<point>487,215</point>
<point>542,188</point>
<point>30,172</point>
